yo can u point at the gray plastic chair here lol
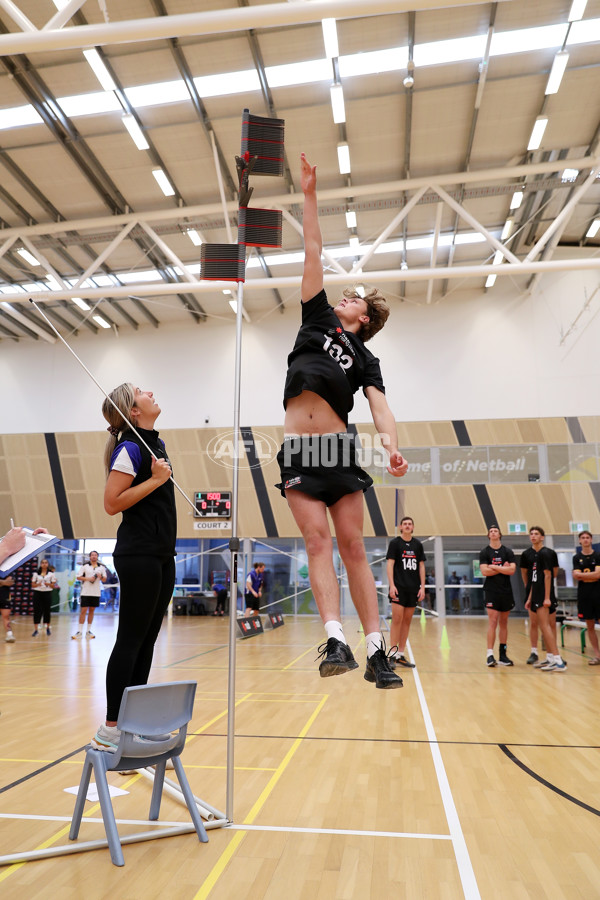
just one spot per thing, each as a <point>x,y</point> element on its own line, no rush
<point>153,711</point>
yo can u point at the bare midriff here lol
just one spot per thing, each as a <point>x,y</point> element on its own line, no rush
<point>310,414</point>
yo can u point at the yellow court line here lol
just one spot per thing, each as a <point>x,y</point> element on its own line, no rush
<point>221,863</point>
<point>52,840</point>
<point>212,721</point>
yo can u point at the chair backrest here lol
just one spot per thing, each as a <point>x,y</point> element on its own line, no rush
<point>153,709</point>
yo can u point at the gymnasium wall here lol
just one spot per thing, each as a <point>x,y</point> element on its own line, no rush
<point>513,369</point>
<point>57,479</point>
<point>473,355</point>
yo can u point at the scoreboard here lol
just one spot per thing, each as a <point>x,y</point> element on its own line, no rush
<point>213,504</point>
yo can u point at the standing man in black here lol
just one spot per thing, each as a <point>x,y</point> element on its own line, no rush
<point>537,537</point>
<point>538,566</point>
<point>497,564</point>
<point>406,579</point>
<point>586,574</point>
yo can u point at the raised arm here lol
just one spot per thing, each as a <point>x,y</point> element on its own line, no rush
<point>312,277</point>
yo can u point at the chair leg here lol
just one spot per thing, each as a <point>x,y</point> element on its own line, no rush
<point>159,778</point>
<point>189,799</point>
<point>110,826</point>
<point>80,801</point>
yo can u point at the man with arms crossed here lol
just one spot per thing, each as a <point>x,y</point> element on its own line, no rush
<point>406,579</point>
<point>497,564</point>
<point>586,574</point>
<point>538,565</point>
<point>328,364</point>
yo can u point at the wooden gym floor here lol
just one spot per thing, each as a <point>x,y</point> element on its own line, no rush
<point>467,782</point>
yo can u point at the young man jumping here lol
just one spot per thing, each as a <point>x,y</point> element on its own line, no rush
<point>328,364</point>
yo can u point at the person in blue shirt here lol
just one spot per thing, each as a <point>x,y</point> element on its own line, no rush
<point>254,583</point>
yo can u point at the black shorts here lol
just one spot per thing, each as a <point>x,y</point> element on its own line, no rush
<point>94,602</point>
<point>536,604</point>
<point>587,608</point>
<point>252,602</point>
<point>323,466</point>
<point>5,604</point>
<point>406,598</point>
<point>499,602</point>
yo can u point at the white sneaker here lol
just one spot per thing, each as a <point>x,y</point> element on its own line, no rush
<point>106,738</point>
<point>77,636</point>
<point>90,634</point>
<point>10,638</point>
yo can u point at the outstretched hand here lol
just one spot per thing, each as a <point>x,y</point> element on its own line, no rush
<point>308,175</point>
<point>398,465</point>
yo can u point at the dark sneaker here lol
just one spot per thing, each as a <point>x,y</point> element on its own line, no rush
<point>504,660</point>
<point>378,670</point>
<point>338,658</point>
<point>402,661</point>
<point>532,658</point>
<point>491,662</point>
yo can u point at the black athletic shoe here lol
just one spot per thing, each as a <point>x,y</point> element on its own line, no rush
<point>491,662</point>
<point>379,670</point>
<point>503,660</point>
<point>532,658</point>
<point>338,658</point>
<point>402,661</point>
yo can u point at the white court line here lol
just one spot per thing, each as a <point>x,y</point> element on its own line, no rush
<point>463,860</point>
<point>343,831</point>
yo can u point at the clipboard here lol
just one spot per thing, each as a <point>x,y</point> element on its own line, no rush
<point>34,545</point>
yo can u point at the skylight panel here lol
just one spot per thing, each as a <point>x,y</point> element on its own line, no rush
<point>585,32</point>
<point>157,94</point>
<point>89,104</point>
<point>18,116</point>
<point>437,52</point>
<point>545,37</point>
<point>298,73</point>
<point>372,62</point>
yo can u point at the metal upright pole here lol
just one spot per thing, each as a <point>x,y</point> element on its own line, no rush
<point>234,546</point>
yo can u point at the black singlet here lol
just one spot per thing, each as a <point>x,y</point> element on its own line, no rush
<point>499,583</point>
<point>406,555</point>
<point>329,361</point>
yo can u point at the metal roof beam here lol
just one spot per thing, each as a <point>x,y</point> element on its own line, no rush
<point>225,21</point>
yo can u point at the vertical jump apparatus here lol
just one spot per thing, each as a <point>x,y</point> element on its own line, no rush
<point>261,154</point>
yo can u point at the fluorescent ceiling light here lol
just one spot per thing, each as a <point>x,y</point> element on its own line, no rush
<point>360,290</point>
<point>227,292</point>
<point>28,257</point>
<point>60,4</point>
<point>81,303</point>
<point>343,151</point>
<point>100,71</point>
<point>330,38</point>
<point>557,71</point>
<point>577,10</point>
<point>101,322</point>
<point>337,103</point>
<point>498,257</point>
<point>593,229</point>
<point>350,218</point>
<point>354,244</point>
<point>194,237</point>
<point>163,182</point>
<point>137,135</point>
<point>53,283</point>
<point>393,59</point>
<point>569,175</point>
<point>233,305</point>
<point>537,133</point>
<point>507,229</point>
<point>516,200</point>
<point>490,281</point>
